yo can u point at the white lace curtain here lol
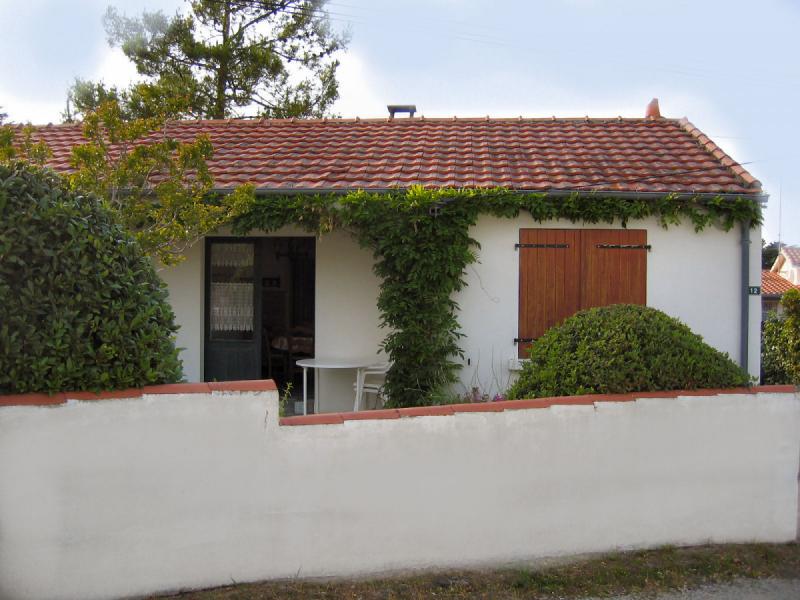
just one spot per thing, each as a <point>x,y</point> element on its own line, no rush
<point>232,255</point>
<point>231,300</point>
<point>232,307</point>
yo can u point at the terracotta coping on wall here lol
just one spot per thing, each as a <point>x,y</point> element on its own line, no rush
<point>245,385</point>
<point>39,399</point>
<point>451,409</point>
<point>257,385</point>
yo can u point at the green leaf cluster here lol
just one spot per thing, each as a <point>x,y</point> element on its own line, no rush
<point>780,343</point>
<point>421,242</point>
<point>19,143</point>
<point>622,348</point>
<point>81,307</point>
<point>159,187</point>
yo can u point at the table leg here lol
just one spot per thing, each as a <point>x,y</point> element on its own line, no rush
<point>317,410</point>
<point>359,389</point>
<point>305,390</point>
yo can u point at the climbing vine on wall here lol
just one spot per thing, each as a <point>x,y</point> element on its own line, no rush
<point>420,239</point>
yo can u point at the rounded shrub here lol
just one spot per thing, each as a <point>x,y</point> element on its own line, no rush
<point>619,349</point>
<point>81,307</point>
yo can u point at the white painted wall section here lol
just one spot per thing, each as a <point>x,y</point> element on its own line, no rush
<point>116,498</point>
<point>187,296</point>
<point>347,317</point>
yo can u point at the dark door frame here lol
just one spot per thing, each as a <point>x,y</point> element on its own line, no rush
<point>255,342</point>
<point>248,353</point>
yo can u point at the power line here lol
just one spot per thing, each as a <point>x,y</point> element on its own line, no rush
<point>665,174</point>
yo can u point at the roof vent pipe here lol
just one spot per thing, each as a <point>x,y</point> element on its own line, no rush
<point>401,108</point>
<point>652,111</point>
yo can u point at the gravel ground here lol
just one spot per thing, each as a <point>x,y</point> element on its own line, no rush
<point>744,589</point>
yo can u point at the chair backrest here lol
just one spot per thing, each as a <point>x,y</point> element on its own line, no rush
<point>378,368</point>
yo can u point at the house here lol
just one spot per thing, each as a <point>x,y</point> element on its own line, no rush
<point>787,264</point>
<point>773,287</point>
<point>232,293</point>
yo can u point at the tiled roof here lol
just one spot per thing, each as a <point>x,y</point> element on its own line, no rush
<point>631,155</point>
<point>773,284</point>
<point>793,254</point>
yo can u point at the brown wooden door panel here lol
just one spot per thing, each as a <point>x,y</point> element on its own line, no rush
<point>548,291</point>
<point>613,275</point>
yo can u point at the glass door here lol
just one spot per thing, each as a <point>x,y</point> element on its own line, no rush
<point>233,315</point>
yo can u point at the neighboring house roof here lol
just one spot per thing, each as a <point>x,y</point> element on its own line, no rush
<point>629,155</point>
<point>774,285</point>
<point>792,253</point>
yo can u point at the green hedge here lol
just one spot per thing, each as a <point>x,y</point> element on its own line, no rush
<point>619,349</point>
<point>780,343</point>
<point>81,307</point>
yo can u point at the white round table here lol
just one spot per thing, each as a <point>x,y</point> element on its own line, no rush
<point>359,364</point>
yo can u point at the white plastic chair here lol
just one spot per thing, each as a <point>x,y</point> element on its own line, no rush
<point>374,378</point>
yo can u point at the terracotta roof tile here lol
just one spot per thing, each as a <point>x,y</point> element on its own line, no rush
<point>636,155</point>
<point>773,284</point>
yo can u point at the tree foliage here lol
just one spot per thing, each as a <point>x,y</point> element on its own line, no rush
<point>225,58</point>
<point>81,307</point>
<point>20,143</point>
<point>791,331</point>
<point>138,101</point>
<point>159,187</point>
<point>769,252</point>
<point>780,343</point>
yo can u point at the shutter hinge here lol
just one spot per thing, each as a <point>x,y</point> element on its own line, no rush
<point>518,246</point>
<point>524,340</point>
<point>624,246</point>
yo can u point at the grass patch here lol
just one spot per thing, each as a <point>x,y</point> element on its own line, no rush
<point>647,571</point>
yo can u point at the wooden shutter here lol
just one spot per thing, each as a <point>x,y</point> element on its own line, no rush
<point>614,267</point>
<point>548,280</point>
<point>563,271</point>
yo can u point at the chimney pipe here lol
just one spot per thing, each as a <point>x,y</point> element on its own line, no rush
<point>401,108</point>
<point>652,111</point>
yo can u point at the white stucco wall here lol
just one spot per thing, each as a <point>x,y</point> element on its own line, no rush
<point>347,315</point>
<point>693,276</point>
<point>187,296</point>
<point>117,498</point>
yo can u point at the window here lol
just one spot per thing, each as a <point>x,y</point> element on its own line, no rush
<point>563,271</point>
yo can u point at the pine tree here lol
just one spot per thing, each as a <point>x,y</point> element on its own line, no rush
<point>224,58</point>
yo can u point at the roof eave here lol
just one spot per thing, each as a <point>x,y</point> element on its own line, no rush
<point>758,196</point>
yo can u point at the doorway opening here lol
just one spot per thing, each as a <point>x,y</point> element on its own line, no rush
<point>259,309</point>
<point>287,309</point>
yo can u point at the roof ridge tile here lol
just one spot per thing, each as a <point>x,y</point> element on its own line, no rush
<point>709,146</point>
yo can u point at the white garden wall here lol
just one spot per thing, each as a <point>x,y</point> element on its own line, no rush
<point>693,276</point>
<point>120,497</point>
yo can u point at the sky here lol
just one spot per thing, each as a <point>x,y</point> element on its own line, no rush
<point>731,66</point>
